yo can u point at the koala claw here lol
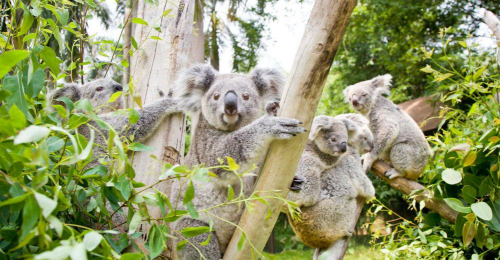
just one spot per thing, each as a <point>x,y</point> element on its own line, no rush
<point>367,162</point>
<point>392,173</point>
<point>296,185</point>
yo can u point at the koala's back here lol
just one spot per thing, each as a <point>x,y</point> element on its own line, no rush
<point>409,132</point>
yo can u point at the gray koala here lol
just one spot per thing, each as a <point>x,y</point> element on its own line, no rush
<point>98,93</point>
<point>398,139</point>
<point>328,200</point>
<point>230,124</point>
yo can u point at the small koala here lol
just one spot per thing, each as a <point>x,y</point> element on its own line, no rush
<point>326,144</point>
<point>328,200</point>
<point>230,124</point>
<point>398,139</point>
<point>98,93</point>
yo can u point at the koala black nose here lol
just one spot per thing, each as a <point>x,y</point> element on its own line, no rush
<point>355,103</point>
<point>118,88</point>
<point>343,147</point>
<point>231,103</point>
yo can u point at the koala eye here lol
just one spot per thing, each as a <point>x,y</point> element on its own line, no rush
<point>246,96</point>
<point>365,94</point>
<point>216,96</point>
<point>99,89</point>
<point>334,140</point>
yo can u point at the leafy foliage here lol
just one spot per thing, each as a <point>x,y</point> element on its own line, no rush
<point>464,171</point>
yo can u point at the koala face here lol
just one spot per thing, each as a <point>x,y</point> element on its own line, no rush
<point>227,101</point>
<point>331,135</point>
<point>365,140</point>
<point>231,102</point>
<point>361,95</point>
<point>98,93</point>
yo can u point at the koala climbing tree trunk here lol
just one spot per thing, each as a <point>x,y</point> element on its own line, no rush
<point>154,67</point>
<point>321,39</point>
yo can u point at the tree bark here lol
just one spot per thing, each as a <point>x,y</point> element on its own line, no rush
<point>408,186</point>
<point>155,66</point>
<point>494,24</point>
<point>127,34</point>
<point>322,37</point>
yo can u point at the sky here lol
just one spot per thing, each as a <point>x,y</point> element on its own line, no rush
<point>281,39</point>
<point>280,45</point>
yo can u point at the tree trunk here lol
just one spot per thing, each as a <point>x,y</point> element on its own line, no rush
<point>408,186</point>
<point>155,66</point>
<point>127,35</point>
<point>494,24</point>
<point>313,60</point>
<point>197,53</point>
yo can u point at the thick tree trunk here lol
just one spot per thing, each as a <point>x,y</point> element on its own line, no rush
<point>313,60</point>
<point>197,53</point>
<point>155,66</point>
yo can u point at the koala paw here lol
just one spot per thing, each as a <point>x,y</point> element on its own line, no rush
<point>160,92</point>
<point>272,108</point>
<point>285,128</point>
<point>350,232</point>
<point>296,185</point>
<point>367,161</point>
<point>392,173</point>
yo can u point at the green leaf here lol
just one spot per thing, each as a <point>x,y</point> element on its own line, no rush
<point>134,44</point>
<point>133,116</point>
<point>17,119</point>
<point>192,210</point>
<point>155,241</point>
<point>14,86</point>
<point>194,231</point>
<point>470,158</point>
<point>457,205</point>
<point>486,186</point>
<point>91,240</point>
<point>156,38</point>
<point>56,224</point>
<point>46,204</point>
<point>54,143</point>
<point>49,56</point>
<point>478,73</point>
<point>14,200</point>
<point>230,193</point>
<point>115,96</point>
<point>451,176</point>
<point>427,69</point>
<point>233,166</point>
<point>469,194</point>
<point>9,59</point>
<point>28,20</point>
<point>135,222</point>
<point>125,63</point>
<point>463,44</point>
<point>132,256</point>
<point>181,245</point>
<point>137,20</point>
<point>189,195</point>
<point>482,210</point>
<point>36,83</point>
<point>138,147</point>
<point>441,77</point>
<point>241,241</point>
<point>468,233</point>
<point>32,133</point>
<point>166,12</point>
<point>31,212</point>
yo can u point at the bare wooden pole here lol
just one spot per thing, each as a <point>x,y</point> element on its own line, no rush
<point>322,37</point>
<point>493,23</point>
<point>155,66</point>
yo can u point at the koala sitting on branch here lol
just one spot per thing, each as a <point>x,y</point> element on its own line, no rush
<point>398,139</point>
<point>328,196</point>
<point>98,92</point>
<point>231,124</point>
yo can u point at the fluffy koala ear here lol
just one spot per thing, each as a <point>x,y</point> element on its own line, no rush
<point>382,84</point>
<point>352,128</point>
<point>191,85</point>
<point>269,82</point>
<point>71,90</point>
<point>346,94</point>
<point>319,123</point>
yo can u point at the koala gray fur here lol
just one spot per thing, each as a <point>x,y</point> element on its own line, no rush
<point>230,124</point>
<point>328,199</point>
<point>98,93</point>
<point>398,139</point>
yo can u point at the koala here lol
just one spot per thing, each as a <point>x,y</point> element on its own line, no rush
<point>326,144</point>
<point>328,200</point>
<point>397,138</point>
<point>230,124</point>
<point>98,93</point>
